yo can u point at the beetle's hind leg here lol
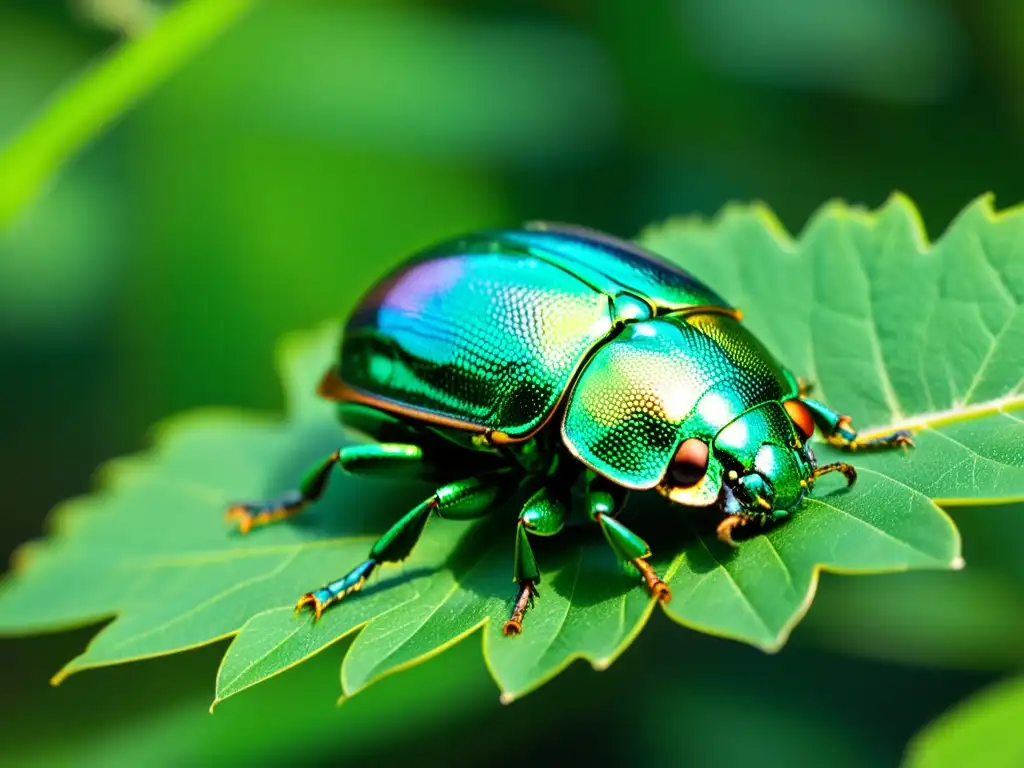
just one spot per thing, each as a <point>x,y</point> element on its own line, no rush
<point>838,430</point>
<point>544,514</point>
<point>461,500</point>
<point>385,458</point>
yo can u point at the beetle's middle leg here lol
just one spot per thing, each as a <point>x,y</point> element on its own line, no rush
<point>838,430</point>
<point>373,458</point>
<point>605,500</point>
<point>461,500</point>
<point>543,514</point>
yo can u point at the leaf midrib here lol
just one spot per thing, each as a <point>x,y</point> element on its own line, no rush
<point>745,598</point>
<point>228,684</point>
<point>952,415</point>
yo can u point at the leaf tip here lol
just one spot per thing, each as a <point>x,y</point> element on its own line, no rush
<point>22,556</point>
<point>986,203</point>
<point>957,563</point>
<point>60,677</point>
<point>600,665</point>
<point>776,644</point>
<point>900,199</point>
<point>765,215</point>
<point>506,697</point>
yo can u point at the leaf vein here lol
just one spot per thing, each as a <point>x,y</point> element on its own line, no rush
<point>744,598</point>
<point>209,601</point>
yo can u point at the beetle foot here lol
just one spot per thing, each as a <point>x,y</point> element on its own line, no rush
<point>899,439</point>
<point>256,513</point>
<point>321,599</point>
<point>655,585</point>
<point>845,436</point>
<point>848,471</point>
<point>725,528</point>
<point>315,601</point>
<point>524,600</point>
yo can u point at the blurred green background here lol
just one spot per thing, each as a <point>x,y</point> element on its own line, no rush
<point>265,185</point>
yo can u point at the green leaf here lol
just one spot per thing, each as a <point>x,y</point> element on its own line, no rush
<point>152,551</point>
<point>984,730</point>
<point>890,330</point>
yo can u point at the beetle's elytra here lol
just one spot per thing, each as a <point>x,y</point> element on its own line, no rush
<point>522,358</point>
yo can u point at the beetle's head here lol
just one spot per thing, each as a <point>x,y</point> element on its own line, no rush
<point>759,463</point>
<point>645,414</point>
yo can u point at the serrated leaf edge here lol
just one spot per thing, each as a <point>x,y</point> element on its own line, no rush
<point>106,475</point>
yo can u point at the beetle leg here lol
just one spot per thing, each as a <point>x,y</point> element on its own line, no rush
<point>604,501</point>
<point>254,513</point>
<point>390,458</point>
<point>462,500</point>
<point>728,524</point>
<point>804,387</point>
<point>524,600</point>
<point>543,514</point>
<point>838,430</point>
<point>655,585</point>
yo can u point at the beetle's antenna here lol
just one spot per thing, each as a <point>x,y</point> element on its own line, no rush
<point>840,466</point>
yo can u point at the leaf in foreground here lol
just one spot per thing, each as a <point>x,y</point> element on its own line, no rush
<point>890,330</point>
<point>151,550</point>
<point>984,730</point>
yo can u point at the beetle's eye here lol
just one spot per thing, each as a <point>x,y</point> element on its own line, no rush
<point>801,417</point>
<point>689,464</point>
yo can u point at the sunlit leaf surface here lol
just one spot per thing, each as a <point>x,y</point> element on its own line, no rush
<point>889,329</point>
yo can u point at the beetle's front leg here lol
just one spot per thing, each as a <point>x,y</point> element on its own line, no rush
<point>389,458</point>
<point>736,516</point>
<point>604,501</point>
<point>838,430</point>
<point>728,525</point>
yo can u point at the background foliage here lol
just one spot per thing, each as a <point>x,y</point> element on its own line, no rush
<point>270,178</point>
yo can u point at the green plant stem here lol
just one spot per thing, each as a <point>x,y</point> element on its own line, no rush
<point>102,93</point>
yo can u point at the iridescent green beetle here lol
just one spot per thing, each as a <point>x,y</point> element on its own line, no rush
<point>519,359</point>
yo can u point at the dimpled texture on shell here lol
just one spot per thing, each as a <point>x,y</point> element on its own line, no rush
<point>492,339</point>
<point>660,382</point>
<point>767,424</point>
<point>612,264</point>
<point>755,376</point>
